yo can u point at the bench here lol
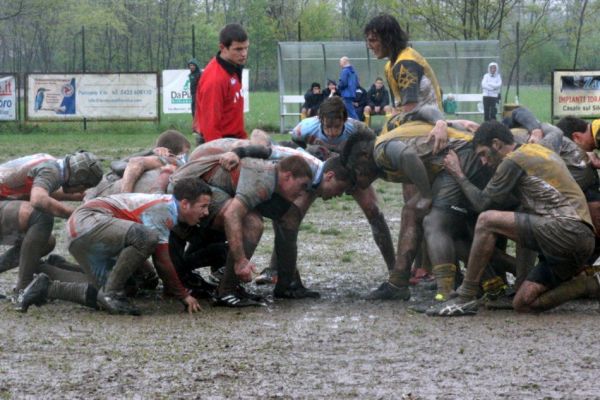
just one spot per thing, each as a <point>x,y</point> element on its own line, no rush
<point>467,98</point>
<point>289,106</point>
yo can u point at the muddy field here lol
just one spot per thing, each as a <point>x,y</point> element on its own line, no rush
<point>340,346</point>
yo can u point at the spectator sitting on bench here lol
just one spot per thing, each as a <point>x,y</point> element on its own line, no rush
<point>312,100</point>
<point>331,89</point>
<point>378,101</point>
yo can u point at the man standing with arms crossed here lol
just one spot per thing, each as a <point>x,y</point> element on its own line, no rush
<point>219,99</point>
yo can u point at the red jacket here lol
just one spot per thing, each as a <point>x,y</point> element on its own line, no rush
<point>219,102</point>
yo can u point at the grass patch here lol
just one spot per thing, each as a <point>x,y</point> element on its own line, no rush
<point>330,231</point>
<point>308,227</point>
<point>347,256</point>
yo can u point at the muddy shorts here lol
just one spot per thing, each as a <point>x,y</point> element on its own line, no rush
<point>96,238</point>
<point>9,222</point>
<point>564,246</point>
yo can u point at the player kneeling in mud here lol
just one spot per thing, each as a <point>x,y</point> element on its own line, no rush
<point>112,236</point>
<point>553,220</point>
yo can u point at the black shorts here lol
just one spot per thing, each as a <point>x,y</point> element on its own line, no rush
<point>564,246</point>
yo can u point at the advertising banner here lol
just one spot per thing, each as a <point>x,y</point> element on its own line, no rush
<point>92,96</point>
<point>8,98</point>
<point>177,94</point>
<point>576,92</point>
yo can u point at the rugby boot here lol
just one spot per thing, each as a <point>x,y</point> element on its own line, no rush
<point>235,300</point>
<point>201,289</point>
<point>36,293</point>
<point>462,302</point>
<point>296,290</point>
<point>494,288</point>
<point>455,307</point>
<point>268,276</point>
<point>116,303</point>
<point>444,276</point>
<point>215,276</point>
<point>389,291</point>
<point>502,302</point>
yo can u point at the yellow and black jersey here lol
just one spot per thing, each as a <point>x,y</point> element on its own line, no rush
<point>547,188</point>
<point>411,80</point>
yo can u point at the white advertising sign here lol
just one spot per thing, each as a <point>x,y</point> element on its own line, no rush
<point>576,92</point>
<point>8,98</point>
<point>93,96</point>
<point>177,95</point>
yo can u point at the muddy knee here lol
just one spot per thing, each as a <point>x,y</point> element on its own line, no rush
<point>142,238</point>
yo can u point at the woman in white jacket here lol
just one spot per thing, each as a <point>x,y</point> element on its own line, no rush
<point>491,84</point>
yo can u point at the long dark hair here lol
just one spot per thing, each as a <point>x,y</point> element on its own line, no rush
<point>392,37</point>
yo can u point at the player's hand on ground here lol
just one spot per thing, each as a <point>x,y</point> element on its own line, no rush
<point>229,160</point>
<point>452,164</point>
<point>244,269</point>
<point>191,304</point>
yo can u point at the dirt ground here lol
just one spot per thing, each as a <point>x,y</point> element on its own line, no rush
<point>340,346</point>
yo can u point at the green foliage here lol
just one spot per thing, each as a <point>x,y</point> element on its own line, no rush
<point>319,22</point>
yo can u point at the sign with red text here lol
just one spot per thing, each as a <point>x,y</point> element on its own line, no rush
<point>8,98</point>
<point>576,92</point>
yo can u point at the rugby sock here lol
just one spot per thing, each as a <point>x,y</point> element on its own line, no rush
<point>399,278</point>
<point>80,293</point>
<point>286,251</point>
<point>128,261</point>
<point>368,119</point>
<point>468,290</point>
<point>444,276</point>
<point>577,287</point>
<point>35,243</point>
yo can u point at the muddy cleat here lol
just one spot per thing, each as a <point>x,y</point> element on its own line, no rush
<point>295,291</point>
<point>423,306</point>
<point>35,293</point>
<point>389,291</point>
<point>500,303</point>
<point>116,303</point>
<point>234,300</point>
<point>454,308</point>
<point>267,277</point>
<point>214,278</point>
<point>200,288</point>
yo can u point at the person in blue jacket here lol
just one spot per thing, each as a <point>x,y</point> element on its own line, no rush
<point>347,85</point>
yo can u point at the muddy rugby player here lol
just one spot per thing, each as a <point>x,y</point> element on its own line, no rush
<point>330,179</point>
<point>31,192</point>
